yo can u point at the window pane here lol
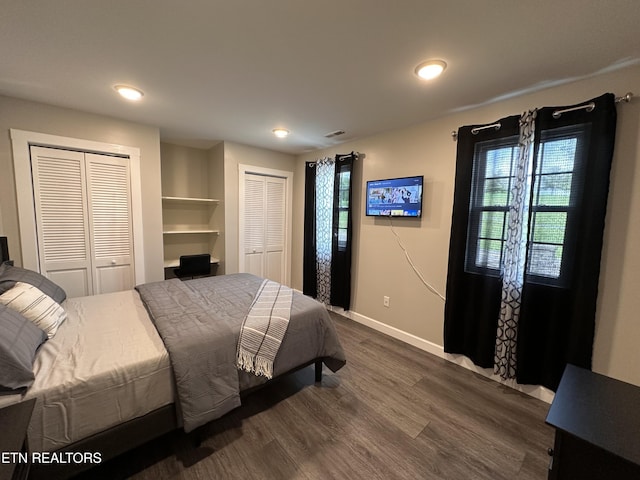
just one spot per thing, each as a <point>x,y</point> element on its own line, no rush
<point>492,177</point>
<point>545,260</point>
<point>498,163</point>
<point>549,227</point>
<point>557,155</point>
<point>492,225</point>
<point>342,238</point>
<point>343,200</point>
<point>345,178</point>
<point>343,218</point>
<point>554,190</point>
<point>343,194</point>
<point>489,253</point>
<point>495,192</point>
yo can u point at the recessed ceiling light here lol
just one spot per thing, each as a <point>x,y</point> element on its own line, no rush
<point>430,69</point>
<point>280,132</point>
<point>130,93</point>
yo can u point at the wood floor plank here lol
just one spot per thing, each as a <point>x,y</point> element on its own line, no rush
<point>477,408</point>
<point>366,353</point>
<point>483,456</point>
<point>389,397</point>
<point>393,412</point>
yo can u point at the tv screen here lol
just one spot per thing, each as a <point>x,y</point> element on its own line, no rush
<point>395,197</point>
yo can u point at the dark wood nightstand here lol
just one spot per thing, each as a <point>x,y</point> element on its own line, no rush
<point>597,423</point>
<point>14,421</point>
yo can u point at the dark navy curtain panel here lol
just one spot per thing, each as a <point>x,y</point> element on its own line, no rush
<point>568,185</point>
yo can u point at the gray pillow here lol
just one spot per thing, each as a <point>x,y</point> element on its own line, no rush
<point>19,342</point>
<point>9,275</point>
<point>35,306</point>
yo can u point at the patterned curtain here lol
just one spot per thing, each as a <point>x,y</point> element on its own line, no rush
<point>325,174</point>
<point>515,252</point>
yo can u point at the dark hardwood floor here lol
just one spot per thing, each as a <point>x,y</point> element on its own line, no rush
<point>393,412</point>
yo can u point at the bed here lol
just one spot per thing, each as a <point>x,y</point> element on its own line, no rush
<point>107,356</point>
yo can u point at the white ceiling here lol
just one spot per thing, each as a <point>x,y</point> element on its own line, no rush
<point>233,70</point>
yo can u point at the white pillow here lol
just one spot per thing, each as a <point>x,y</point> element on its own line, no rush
<point>36,306</point>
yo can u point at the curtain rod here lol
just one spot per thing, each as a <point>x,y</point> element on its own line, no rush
<point>355,155</point>
<point>587,106</point>
<point>475,130</point>
<point>340,156</point>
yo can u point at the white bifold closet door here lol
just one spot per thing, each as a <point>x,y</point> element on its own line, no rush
<point>83,219</point>
<point>264,226</point>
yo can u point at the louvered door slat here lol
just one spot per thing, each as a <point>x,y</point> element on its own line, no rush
<point>111,217</point>
<point>253,215</point>
<point>275,214</point>
<point>60,206</point>
<point>109,195</point>
<point>61,202</point>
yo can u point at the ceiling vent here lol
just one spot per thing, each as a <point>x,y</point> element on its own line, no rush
<point>334,134</point>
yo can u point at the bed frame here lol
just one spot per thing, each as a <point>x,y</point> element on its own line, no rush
<point>133,433</point>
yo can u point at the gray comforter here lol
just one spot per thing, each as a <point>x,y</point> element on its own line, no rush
<point>199,322</point>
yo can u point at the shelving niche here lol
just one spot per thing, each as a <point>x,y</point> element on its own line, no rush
<point>190,214</point>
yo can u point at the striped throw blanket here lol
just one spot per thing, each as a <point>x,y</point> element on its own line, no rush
<point>263,328</point>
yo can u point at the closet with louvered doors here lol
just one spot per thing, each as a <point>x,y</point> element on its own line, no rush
<point>263,227</point>
<point>83,220</point>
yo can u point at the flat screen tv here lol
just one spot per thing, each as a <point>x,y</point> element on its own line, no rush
<point>395,197</point>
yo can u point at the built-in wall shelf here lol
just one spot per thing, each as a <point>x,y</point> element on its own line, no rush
<point>210,201</point>
<point>192,198</point>
<point>173,263</point>
<point>186,232</point>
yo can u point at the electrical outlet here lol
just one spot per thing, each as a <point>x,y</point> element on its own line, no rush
<point>385,301</point>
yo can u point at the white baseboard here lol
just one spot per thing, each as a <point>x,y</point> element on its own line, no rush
<point>536,391</point>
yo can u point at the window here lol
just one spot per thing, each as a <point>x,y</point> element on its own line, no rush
<point>344,187</point>
<point>554,193</point>
<point>492,178</point>
<point>526,239</point>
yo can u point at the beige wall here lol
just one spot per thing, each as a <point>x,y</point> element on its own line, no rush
<point>236,154</point>
<point>185,171</point>
<point>41,118</point>
<point>380,267</point>
<point>216,190</point>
